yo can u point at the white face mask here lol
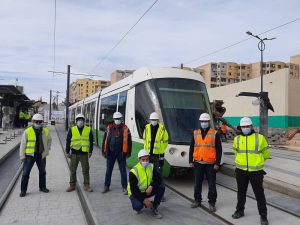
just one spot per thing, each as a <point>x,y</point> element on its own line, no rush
<point>145,164</point>
<point>204,125</point>
<point>37,126</point>
<point>117,122</point>
<point>246,130</point>
<point>154,122</point>
<point>80,123</point>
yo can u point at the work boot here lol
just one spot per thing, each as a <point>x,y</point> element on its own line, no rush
<point>195,204</point>
<point>22,194</point>
<point>45,190</point>
<point>72,187</point>
<point>163,199</point>
<point>237,214</point>
<point>264,220</point>
<point>156,214</point>
<point>105,189</point>
<point>125,192</point>
<point>212,207</point>
<point>88,188</point>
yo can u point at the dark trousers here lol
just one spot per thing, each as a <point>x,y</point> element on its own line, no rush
<point>27,166</point>
<point>207,170</point>
<point>137,205</point>
<point>84,161</point>
<point>110,162</point>
<point>256,180</point>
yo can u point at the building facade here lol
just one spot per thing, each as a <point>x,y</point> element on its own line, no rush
<point>117,75</point>
<point>83,88</point>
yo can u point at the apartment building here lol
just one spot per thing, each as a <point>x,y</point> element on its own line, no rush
<point>83,88</point>
<point>117,75</point>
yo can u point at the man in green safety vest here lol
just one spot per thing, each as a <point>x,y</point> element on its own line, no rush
<point>145,182</point>
<point>251,150</point>
<point>79,148</point>
<point>34,147</point>
<point>155,142</point>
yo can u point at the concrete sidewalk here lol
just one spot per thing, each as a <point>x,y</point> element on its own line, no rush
<point>56,207</point>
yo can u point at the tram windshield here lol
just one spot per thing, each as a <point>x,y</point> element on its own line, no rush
<point>180,102</point>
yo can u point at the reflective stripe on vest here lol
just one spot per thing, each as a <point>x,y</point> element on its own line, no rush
<point>143,175</point>
<point>249,156</point>
<point>80,141</point>
<point>31,140</point>
<point>161,139</point>
<point>125,139</point>
<point>205,150</point>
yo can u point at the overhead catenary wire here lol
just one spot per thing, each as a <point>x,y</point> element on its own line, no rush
<point>122,38</point>
<point>239,42</point>
<point>54,38</point>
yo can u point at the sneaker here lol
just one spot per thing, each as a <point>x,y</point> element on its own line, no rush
<point>137,212</point>
<point>195,204</point>
<point>45,190</point>
<point>237,214</point>
<point>22,194</point>
<point>125,192</point>
<point>212,207</point>
<point>88,188</point>
<point>71,188</point>
<point>105,189</point>
<point>264,220</point>
<point>156,214</point>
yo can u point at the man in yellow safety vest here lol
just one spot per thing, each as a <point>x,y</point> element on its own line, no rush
<point>251,150</point>
<point>34,148</point>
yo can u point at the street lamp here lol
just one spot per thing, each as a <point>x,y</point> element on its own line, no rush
<point>264,99</point>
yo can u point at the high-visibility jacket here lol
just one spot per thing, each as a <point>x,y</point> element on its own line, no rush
<point>161,139</point>
<point>21,115</point>
<point>31,140</point>
<point>250,151</point>
<point>26,116</point>
<point>205,150</point>
<point>125,138</point>
<point>143,175</point>
<point>80,141</point>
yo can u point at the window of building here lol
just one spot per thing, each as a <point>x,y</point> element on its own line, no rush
<point>107,109</point>
<point>273,65</point>
<point>223,79</point>
<point>291,67</point>
<point>268,65</point>
<point>229,73</point>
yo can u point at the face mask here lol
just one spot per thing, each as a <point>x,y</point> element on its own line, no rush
<point>154,122</point>
<point>204,125</point>
<point>117,122</point>
<point>80,123</point>
<point>37,126</point>
<point>246,131</point>
<point>145,164</point>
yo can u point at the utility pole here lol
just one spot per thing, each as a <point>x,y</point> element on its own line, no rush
<point>67,98</point>
<point>50,112</point>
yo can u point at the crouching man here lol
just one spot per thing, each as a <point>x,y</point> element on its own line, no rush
<point>145,182</point>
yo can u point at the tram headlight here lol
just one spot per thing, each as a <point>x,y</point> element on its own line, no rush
<point>172,151</point>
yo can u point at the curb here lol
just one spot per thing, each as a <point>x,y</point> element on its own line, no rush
<point>269,183</point>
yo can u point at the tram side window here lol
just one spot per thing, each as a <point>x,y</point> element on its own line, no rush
<point>93,104</point>
<point>122,103</point>
<point>108,107</point>
<point>87,114</point>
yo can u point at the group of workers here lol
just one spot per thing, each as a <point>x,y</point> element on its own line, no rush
<point>23,118</point>
<point>145,178</point>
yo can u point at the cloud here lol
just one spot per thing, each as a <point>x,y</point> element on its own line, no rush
<point>171,33</point>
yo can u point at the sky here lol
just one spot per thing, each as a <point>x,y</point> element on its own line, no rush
<point>172,32</point>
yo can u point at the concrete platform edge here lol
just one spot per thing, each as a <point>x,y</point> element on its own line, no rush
<point>269,183</point>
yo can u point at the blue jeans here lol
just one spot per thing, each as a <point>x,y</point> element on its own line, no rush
<point>137,205</point>
<point>110,162</point>
<point>27,166</point>
<point>201,170</point>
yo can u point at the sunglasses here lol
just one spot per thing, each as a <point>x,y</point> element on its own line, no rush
<point>38,122</point>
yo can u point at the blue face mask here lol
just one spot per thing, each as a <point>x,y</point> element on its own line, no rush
<point>117,122</point>
<point>145,164</point>
<point>204,125</point>
<point>80,123</point>
<point>37,126</point>
<point>246,130</point>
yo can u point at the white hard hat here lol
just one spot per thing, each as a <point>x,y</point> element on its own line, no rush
<point>204,117</point>
<point>117,115</point>
<point>154,116</point>
<point>37,117</point>
<point>142,153</point>
<point>79,116</point>
<point>245,121</point>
